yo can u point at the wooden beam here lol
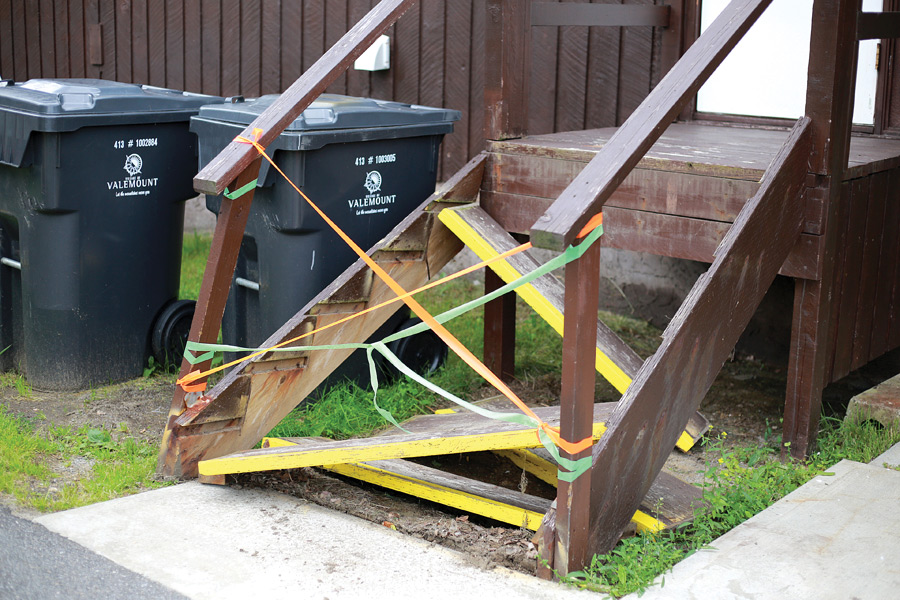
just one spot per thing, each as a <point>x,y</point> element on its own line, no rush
<point>507,52</point>
<point>878,26</point>
<point>585,196</point>
<point>829,104</point>
<point>696,343</point>
<point>235,157</point>
<point>254,396</point>
<point>552,14</point>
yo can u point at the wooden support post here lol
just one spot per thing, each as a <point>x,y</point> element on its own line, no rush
<point>499,329</point>
<point>507,41</point>
<point>829,104</point>
<point>576,406</point>
<point>223,255</point>
<point>507,53</point>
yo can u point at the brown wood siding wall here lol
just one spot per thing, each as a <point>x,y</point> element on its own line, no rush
<point>866,309</point>
<point>581,78</point>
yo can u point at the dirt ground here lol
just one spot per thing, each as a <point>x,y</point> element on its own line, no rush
<point>746,402</point>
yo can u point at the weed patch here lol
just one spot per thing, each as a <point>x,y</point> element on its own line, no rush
<point>739,483</point>
<point>47,473</point>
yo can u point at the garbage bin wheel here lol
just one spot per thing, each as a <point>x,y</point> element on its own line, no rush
<point>423,352</point>
<point>170,332</point>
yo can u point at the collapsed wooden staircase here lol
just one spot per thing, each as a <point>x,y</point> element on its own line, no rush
<point>661,395</point>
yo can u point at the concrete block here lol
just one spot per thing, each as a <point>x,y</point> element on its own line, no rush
<point>881,403</point>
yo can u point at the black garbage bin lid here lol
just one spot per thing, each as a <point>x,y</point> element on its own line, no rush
<point>333,111</point>
<point>62,105</point>
<point>335,118</point>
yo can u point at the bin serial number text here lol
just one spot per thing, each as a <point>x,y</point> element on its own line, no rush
<point>138,143</point>
<point>378,159</point>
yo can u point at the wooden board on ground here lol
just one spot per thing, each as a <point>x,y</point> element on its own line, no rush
<point>668,504</point>
<point>432,435</point>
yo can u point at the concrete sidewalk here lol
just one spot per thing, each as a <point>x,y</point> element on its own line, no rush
<point>835,537</point>
<point>218,542</point>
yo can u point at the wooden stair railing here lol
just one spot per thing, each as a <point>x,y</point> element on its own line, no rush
<point>569,537</point>
<point>237,165</point>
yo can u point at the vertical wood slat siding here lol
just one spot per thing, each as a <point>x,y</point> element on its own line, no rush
<point>175,43</point>
<point>358,82</point>
<point>336,26</point>
<point>61,36</point>
<point>580,78</point>
<point>193,47</point>
<point>156,42</point>
<point>7,59</point>
<point>211,46</point>
<point>270,55</point>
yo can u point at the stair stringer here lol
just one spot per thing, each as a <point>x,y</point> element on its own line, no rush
<point>257,394</point>
<point>672,383</point>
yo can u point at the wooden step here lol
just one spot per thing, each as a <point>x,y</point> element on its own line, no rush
<point>616,361</point>
<point>429,435</point>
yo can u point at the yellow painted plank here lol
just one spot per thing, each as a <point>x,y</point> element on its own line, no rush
<point>546,309</point>
<point>531,463</point>
<point>471,503</point>
<point>381,448</point>
<point>464,501</point>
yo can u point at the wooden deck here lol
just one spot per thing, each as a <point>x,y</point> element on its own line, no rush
<point>684,195</point>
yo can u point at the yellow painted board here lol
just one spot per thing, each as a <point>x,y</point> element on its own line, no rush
<point>531,463</point>
<point>380,448</point>
<point>541,305</point>
<point>471,503</point>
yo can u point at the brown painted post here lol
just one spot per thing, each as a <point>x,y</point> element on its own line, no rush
<point>829,104</point>
<point>499,329</point>
<point>507,41</point>
<point>576,406</point>
<point>507,51</point>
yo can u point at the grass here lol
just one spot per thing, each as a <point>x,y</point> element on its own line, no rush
<point>39,471</point>
<point>739,483</point>
<point>194,252</point>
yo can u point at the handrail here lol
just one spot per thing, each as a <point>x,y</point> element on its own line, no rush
<point>558,227</point>
<point>236,157</point>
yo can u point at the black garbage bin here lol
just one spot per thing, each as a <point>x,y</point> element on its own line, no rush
<point>366,163</point>
<point>93,179</point>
